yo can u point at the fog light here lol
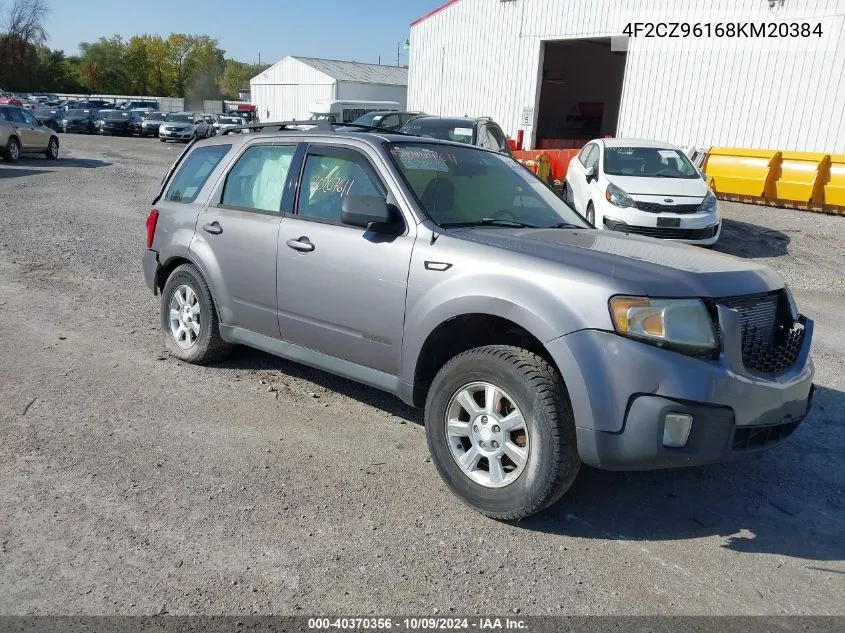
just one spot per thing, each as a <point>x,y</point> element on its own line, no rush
<point>676,429</point>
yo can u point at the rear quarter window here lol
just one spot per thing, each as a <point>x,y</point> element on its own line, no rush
<point>194,172</point>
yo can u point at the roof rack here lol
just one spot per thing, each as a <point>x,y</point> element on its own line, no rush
<point>323,126</point>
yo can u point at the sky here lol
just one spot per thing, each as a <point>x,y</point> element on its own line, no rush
<point>354,30</point>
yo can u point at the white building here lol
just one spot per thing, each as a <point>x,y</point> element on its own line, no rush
<point>564,69</point>
<point>287,90</point>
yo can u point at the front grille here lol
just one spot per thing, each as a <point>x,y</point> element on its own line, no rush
<point>771,341</point>
<point>667,233</point>
<point>656,207</point>
<point>748,438</point>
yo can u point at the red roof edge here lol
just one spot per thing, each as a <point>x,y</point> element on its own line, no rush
<point>443,6</point>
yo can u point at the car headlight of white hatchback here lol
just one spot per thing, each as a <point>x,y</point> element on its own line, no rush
<point>681,324</point>
<point>618,197</point>
<point>708,205</point>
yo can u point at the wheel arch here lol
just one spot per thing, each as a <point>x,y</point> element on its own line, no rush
<point>462,332</point>
<point>165,270</point>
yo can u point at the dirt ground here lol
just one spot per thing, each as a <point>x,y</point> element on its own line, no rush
<point>131,483</point>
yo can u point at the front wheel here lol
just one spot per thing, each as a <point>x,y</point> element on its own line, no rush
<point>591,214</point>
<point>189,319</point>
<point>52,152</point>
<point>500,431</point>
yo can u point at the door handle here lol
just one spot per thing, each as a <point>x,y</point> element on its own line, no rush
<point>301,244</point>
<point>214,228</point>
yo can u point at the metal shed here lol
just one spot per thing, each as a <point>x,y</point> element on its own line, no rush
<point>564,70</point>
<point>286,90</point>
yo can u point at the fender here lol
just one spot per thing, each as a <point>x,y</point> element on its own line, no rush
<point>529,304</point>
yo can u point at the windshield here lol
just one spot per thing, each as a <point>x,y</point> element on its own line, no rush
<point>648,162</point>
<point>79,113</point>
<point>230,120</point>
<point>45,113</point>
<point>371,119</point>
<point>463,186</point>
<point>115,115</point>
<point>324,117</point>
<point>442,129</point>
<point>180,118</point>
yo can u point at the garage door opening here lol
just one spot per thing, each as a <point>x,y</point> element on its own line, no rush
<point>580,93</point>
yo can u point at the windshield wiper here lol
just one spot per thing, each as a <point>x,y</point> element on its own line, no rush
<point>508,224</point>
<point>565,225</point>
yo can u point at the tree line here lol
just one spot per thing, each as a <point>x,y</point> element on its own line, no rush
<point>179,65</point>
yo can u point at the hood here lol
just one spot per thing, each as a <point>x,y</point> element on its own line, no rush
<point>678,187</point>
<point>76,119</point>
<point>179,126</point>
<point>634,264</point>
<point>116,121</point>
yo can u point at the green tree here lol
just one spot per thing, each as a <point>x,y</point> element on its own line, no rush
<point>108,56</point>
<point>236,75</point>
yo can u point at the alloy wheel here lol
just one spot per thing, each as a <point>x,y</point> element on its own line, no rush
<point>185,316</point>
<point>487,435</point>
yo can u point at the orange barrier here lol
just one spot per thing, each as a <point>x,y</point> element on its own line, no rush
<point>803,180</point>
<point>557,160</point>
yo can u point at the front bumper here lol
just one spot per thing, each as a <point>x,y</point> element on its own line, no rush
<point>77,127</point>
<point>621,390</point>
<point>703,229</point>
<point>177,135</point>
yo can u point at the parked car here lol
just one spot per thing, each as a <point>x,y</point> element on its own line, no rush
<point>82,121</point>
<point>386,119</point>
<point>461,283</point>
<point>20,132</point>
<point>211,119</point>
<point>99,120</point>
<point>131,105</point>
<point>227,122</point>
<point>644,188</point>
<point>183,126</point>
<point>13,101</point>
<point>51,117</point>
<point>151,123</point>
<point>121,122</point>
<point>483,132</point>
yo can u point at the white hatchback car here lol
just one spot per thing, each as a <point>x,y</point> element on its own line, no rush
<point>644,188</point>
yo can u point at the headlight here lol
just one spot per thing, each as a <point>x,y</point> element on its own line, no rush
<point>793,307</point>
<point>708,205</point>
<point>616,196</point>
<point>681,324</point>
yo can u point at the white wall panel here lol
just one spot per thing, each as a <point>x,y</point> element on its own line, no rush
<point>286,90</point>
<point>481,57</point>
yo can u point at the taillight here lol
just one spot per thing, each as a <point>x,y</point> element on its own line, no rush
<point>152,218</point>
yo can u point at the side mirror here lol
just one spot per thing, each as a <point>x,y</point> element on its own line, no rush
<point>370,212</point>
<point>590,173</point>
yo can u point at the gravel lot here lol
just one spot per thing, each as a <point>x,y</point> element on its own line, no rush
<point>131,483</point>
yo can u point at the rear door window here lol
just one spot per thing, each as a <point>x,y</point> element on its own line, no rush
<point>16,115</point>
<point>257,181</point>
<point>194,172</point>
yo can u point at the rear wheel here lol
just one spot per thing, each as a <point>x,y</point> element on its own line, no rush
<point>13,150</point>
<point>52,152</point>
<point>189,319</point>
<point>500,431</point>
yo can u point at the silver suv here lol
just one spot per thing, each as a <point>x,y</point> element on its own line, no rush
<point>452,277</point>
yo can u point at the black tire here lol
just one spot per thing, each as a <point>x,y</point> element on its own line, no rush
<point>567,195</point>
<point>540,394</point>
<point>52,152</point>
<point>591,214</point>
<point>163,140</point>
<point>13,150</point>
<point>209,346</point>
